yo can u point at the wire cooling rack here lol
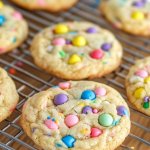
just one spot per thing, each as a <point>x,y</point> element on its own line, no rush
<point>30,79</point>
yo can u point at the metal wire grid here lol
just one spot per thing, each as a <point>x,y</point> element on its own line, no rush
<point>30,79</point>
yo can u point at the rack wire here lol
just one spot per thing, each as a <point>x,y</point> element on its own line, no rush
<point>30,79</point>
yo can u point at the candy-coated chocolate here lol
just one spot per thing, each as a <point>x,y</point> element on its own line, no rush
<point>69,141</point>
<point>86,109</point>
<point>92,30</point>
<point>95,111</point>
<point>106,46</point>
<point>97,54</point>
<point>95,132</point>
<point>138,4</point>
<point>60,99</point>
<point>2,20</point>
<point>146,99</point>
<point>138,15</point>
<point>61,29</point>
<point>146,105</point>
<point>138,92</point>
<point>147,80</point>
<point>64,85</point>
<point>59,41</point>
<point>17,15</point>
<point>88,95</point>
<point>100,91</point>
<point>71,120</point>
<point>120,110</point>
<point>51,124</point>
<point>142,73</point>
<point>79,41</point>
<point>1,4</point>
<point>74,59</point>
<point>105,120</point>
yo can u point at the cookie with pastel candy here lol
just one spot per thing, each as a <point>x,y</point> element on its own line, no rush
<point>132,16</point>
<point>138,85</point>
<point>76,50</point>
<point>78,115</point>
<point>49,5</point>
<point>13,28</point>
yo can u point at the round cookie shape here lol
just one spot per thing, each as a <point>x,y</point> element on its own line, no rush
<point>78,123</point>
<point>49,5</point>
<point>8,95</point>
<point>69,50</point>
<point>13,29</point>
<point>131,16</point>
<point>137,85</point>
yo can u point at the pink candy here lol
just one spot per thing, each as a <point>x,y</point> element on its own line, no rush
<point>97,54</point>
<point>2,49</point>
<point>142,73</point>
<point>95,132</point>
<point>41,2</point>
<point>17,15</point>
<point>64,85</point>
<point>71,120</point>
<point>95,111</point>
<point>51,124</point>
<point>12,108</point>
<point>100,91</point>
<point>59,41</point>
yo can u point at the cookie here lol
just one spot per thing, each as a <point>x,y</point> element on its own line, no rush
<point>13,28</point>
<point>76,50</point>
<point>49,5</point>
<point>138,85</point>
<point>129,15</point>
<point>81,115</point>
<point>8,95</point>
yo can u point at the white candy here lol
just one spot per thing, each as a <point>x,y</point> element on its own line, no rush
<point>49,48</point>
<point>106,102</point>
<point>135,79</point>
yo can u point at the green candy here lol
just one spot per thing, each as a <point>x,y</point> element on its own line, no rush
<point>105,120</point>
<point>146,105</point>
<point>62,54</point>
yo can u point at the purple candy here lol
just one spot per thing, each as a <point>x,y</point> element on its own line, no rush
<point>68,42</point>
<point>120,110</point>
<point>85,109</point>
<point>60,99</point>
<point>138,4</point>
<point>106,46</point>
<point>91,30</point>
<point>146,99</point>
<point>144,1</point>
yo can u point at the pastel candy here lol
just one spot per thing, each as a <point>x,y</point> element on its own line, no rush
<point>88,94</point>
<point>97,54</point>
<point>100,91</point>
<point>95,111</point>
<point>79,41</point>
<point>71,120</point>
<point>142,73</point>
<point>74,59</point>
<point>51,124</point>
<point>86,109</point>
<point>59,41</point>
<point>95,132</point>
<point>61,29</point>
<point>138,92</point>
<point>147,80</point>
<point>122,111</point>
<point>106,46</point>
<point>138,15</point>
<point>105,120</point>
<point>17,15</point>
<point>2,20</point>
<point>60,99</point>
<point>69,141</point>
<point>138,4</point>
<point>92,30</point>
<point>64,85</point>
<point>1,4</point>
<point>146,99</point>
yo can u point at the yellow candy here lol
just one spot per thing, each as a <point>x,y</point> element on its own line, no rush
<point>74,59</point>
<point>61,29</point>
<point>146,80</point>
<point>81,104</point>
<point>138,92</point>
<point>1,4</point>
<point>79,41</point>
<point>138,15</point>
<point>83,131</point>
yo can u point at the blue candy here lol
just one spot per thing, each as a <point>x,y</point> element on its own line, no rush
<point>55,86</point>
<point>69,141</point>
<point>126,112</point>
<point>88,94</point>
<point>2,20</point>
<point>115,122</point>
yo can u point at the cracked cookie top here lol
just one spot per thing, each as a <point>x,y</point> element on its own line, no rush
<point>78,115</point>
